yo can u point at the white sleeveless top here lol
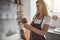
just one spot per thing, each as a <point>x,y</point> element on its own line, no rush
<point>46,20</point>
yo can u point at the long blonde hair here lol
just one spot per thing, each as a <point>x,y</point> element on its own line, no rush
<point>44,7</point>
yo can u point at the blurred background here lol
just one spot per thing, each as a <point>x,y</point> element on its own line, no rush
<point>12,11</point>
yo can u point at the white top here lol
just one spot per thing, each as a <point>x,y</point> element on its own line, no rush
<point>46,20</point>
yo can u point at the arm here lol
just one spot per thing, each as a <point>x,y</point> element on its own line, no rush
<point>45,27</point>
<point>40,32</point>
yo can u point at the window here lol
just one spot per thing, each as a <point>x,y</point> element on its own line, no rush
<point>53,7</point>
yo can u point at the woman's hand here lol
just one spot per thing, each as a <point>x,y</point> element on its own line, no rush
<point>26,26</point>
<point>20,22</point>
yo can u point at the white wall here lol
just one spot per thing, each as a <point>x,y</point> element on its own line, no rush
<point>27,9</point>
<point>33,8</point>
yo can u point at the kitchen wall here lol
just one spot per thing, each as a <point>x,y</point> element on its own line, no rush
<point>27,9</point>
<point>33,8</point>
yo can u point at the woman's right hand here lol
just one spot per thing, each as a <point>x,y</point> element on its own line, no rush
<point>20,22</point>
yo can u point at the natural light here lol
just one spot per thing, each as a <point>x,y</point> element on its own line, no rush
<point>53,7</point>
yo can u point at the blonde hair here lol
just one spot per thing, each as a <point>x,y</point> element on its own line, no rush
<point>44,7</point>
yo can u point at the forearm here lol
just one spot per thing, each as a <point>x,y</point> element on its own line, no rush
<point>37,31</point>
<point>40,32</point>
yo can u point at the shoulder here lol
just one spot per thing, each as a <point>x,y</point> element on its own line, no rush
<point>47,17</point>
<point>47,20</point>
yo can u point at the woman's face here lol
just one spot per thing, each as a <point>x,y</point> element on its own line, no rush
<point>39,7</point>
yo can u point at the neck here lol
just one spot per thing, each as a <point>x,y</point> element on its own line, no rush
<point>40,17</point>
<point>39,11</point>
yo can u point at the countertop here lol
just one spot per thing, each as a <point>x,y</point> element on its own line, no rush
<point>54,30</point>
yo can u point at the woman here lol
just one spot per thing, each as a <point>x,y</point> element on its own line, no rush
<point>40,23</point>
